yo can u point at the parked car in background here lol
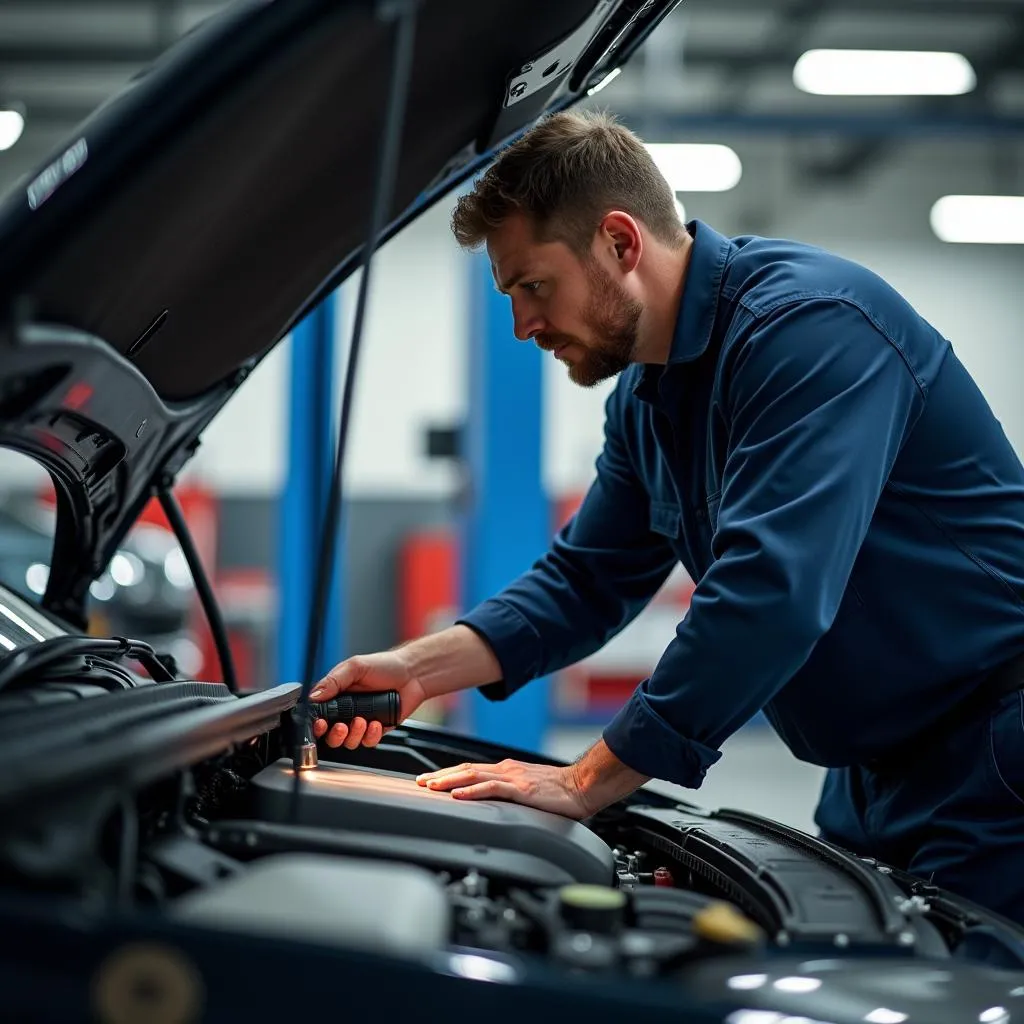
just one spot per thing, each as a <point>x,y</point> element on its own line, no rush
<point>146,590</point>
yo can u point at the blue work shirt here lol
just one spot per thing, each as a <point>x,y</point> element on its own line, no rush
<point>828,473</point>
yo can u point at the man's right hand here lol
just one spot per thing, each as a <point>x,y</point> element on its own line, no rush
<point>385,671</point>
<point>453,659</point>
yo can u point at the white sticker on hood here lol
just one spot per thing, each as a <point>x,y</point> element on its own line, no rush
<point>57,173</point>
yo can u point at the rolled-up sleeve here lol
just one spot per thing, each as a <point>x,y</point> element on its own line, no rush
<point>819,401</point>
<point>601,570</point>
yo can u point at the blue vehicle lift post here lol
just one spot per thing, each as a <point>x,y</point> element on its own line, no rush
<point>507,519</point>
<point>312,437</point>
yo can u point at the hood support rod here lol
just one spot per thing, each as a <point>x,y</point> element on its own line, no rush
<point>403,13</point>
<point>206,596</point>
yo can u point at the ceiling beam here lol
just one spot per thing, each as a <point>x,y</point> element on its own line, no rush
<point>782,46</point>
<point>668,127</point>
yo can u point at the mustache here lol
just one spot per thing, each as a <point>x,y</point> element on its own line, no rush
<point>549,342</point>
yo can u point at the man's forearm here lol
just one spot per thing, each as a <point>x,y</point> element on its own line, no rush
<point>454,659</point>
<point>602,778</point>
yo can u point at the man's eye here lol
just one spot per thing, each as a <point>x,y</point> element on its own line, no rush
<point>531,286</point>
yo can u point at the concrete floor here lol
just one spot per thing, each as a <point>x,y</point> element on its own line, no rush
<point>756,773</point>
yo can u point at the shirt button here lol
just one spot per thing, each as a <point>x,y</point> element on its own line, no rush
<point>701,515</point>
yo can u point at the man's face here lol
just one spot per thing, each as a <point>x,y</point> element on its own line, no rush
<point>568,306</point>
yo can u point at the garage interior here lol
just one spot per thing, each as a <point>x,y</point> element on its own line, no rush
<point>867,172</point>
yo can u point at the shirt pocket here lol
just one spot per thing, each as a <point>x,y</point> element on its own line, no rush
<point>665,519</point>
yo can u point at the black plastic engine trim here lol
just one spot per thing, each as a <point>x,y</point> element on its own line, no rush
<point>75,721</point>
<point>242,838</point>
<point>798,890</point>
<point>891,921</point>
<point>132,758</point>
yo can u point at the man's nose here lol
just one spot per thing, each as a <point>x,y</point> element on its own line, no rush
<point>526,323</point>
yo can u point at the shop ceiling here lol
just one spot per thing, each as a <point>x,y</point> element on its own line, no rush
<point>714,65</point>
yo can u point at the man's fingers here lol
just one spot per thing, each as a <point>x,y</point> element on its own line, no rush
<point>351,735</point>
<point>446,773</point>
<point>473,782</point>
<point>462,776</point>
<point>325,689</point>
<point>337,735</point>
<point>447,782</point>
<point>341,677</point>
<point>492,789</point>
<point>356,732</point>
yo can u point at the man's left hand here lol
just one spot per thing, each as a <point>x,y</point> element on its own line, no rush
<point>546,787</point>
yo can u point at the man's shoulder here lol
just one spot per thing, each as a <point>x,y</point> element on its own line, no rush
<point>767,274</point>
<point>808,299</point>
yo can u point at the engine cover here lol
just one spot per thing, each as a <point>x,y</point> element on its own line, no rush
<point>391,803</point>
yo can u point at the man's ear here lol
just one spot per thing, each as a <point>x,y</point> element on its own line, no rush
<point>619,235</point>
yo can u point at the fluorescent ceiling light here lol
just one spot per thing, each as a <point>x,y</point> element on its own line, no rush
<point>693,167</point>
<point>987,220</point>
<point>883,73</point>
<point>12,124</point>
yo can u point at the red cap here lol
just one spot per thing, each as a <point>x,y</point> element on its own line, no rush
<point>662,876</point>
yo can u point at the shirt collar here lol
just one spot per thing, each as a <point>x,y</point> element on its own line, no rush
<point>696,317</point>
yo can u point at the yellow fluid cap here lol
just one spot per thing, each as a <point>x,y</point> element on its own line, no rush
<point>722,922</point>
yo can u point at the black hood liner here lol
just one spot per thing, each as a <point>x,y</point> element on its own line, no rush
<point>219,215</point>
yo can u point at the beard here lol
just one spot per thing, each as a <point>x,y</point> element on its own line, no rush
<point>613,319</point>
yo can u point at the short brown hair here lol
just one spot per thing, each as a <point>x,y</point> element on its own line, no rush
<point>565,174</point>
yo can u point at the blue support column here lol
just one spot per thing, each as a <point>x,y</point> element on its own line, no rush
<point>311,446</point>
<point>507,518</point>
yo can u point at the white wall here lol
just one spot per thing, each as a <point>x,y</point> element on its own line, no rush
<point>410,376</point>
<point>244,451</point>
<point>412,371</point>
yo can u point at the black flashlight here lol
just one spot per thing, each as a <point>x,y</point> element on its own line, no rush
<point>382,707</point>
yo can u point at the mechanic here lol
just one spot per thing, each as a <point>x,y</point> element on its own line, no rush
<point>786,426</point>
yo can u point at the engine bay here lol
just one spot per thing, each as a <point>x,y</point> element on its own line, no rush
<point>373,861</point>
<point>179,800</point>
<point>486,875</point>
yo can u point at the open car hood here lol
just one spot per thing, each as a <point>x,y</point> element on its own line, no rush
<point>200,213</point>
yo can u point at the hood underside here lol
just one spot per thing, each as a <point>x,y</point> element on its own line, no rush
<point>194,218</point>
